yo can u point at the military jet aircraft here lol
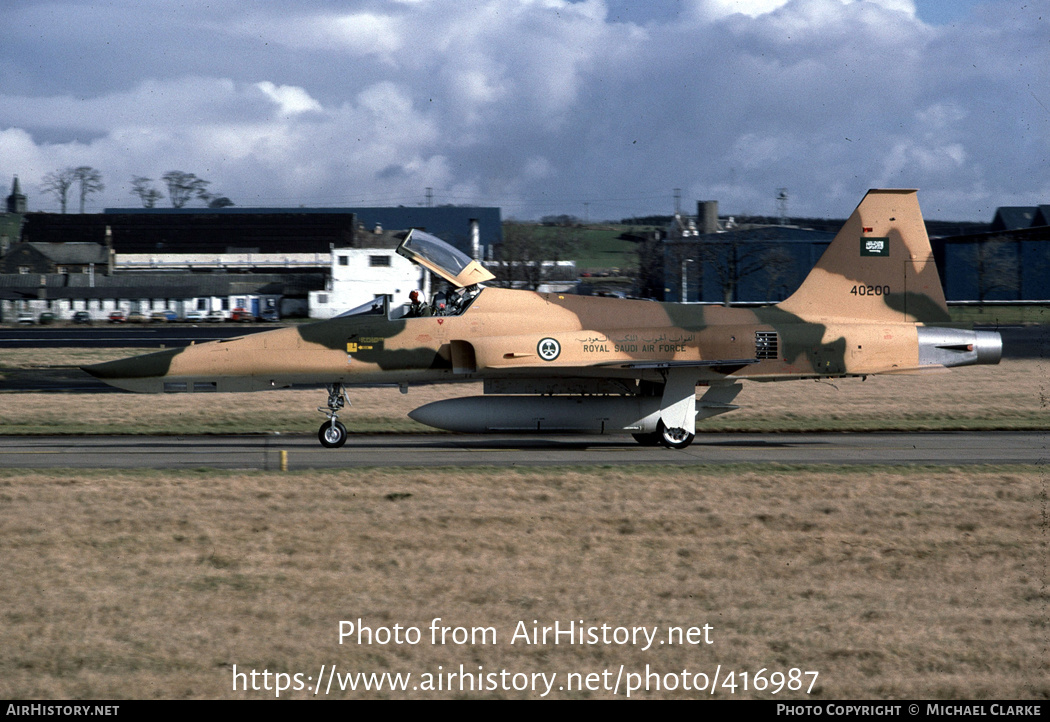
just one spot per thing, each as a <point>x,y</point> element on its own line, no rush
<point>554,362</point>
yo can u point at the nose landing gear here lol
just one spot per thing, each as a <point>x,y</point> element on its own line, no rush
<point>332,434</point>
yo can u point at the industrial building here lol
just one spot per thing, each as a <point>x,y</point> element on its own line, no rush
<point>713,260</point>
<point>255,230</point>
<point>301,261</point>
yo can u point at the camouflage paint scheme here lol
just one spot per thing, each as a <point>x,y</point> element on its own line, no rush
<point>863,309</point>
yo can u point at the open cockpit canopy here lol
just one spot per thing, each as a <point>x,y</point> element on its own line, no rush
<point>439,257</point>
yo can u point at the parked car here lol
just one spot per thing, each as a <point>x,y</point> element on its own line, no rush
<point>215,316</point>
<point>137,317</point>
<point>117,317</point>
<point>82,317</point>
<point>163,316</point>
<point>25,318</point>
<point>47,317</point>
<point>269,314</point>
<point>193,316</point>
<point>242,314</point>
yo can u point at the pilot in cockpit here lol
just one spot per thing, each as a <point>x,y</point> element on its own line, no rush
<point>418,306</point>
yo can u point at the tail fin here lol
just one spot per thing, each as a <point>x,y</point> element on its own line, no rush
<point>879,267</point>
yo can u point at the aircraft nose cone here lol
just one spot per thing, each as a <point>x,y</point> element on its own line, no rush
<point>136,367</point>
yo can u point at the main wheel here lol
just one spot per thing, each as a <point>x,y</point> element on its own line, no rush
<point>332,434</point>
<point>674,438</point>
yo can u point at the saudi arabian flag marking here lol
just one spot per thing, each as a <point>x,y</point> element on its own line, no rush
<point>874,246</point>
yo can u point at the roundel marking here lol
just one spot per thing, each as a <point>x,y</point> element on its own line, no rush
<point>548,349</point>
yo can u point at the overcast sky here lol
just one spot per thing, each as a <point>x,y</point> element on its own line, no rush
<point>598,107</point>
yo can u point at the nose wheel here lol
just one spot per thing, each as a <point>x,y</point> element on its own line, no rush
<point>332,433</point>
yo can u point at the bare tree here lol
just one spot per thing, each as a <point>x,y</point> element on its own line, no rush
<point>780,270</point>
<point>732,261</point>
<point>650,280</point>
<point>219,202</point>
<point>184,186</point>
<point>725,261</point>
<point>59,182</point>
<point>519,254</point>
<point>90,181</point>
<point>530,253</point>
<point>997,267</point>
<point>143,188</point>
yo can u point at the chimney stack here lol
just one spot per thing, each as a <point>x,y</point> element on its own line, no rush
<point>707,216</point>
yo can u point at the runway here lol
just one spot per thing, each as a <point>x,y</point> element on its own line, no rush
<point>433,450</point>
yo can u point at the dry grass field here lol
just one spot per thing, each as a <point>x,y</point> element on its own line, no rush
<point>1012,395</point>
<point>902,583</point>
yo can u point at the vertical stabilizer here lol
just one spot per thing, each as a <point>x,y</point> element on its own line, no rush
<point>879,268</point>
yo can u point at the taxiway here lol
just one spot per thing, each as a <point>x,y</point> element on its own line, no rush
<point>264,452</point>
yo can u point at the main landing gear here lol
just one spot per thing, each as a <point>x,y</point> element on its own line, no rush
<point>332,434</point>
<point>671,438</point>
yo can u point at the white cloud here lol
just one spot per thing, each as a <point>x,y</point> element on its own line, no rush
<point>22,153</point>
<point>290,99</point>
<point>941,117</point>
<point>751,8</point>
<point>359,34</point>
<point>754,8</point>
